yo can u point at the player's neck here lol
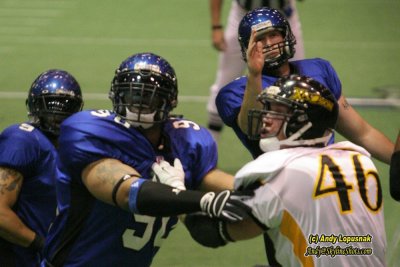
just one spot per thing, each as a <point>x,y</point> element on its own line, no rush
<point>284,70</point>
<point>153,134</point>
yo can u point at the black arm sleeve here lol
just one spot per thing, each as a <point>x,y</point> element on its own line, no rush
<point>155,199</point>
<point>395,176</point>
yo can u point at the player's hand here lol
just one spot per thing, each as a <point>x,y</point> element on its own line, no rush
<point>226,205</point>
<point>170,175</point>
<point>218,40</point>
<point>254,55</point>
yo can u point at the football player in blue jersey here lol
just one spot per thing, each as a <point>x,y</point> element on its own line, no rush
<point>224,39</point>
<point>267,44</point>
<point>28,168</point>
<point>111,213</point>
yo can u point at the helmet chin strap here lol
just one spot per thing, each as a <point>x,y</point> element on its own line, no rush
<point>273,143</point>
<point>146,120</point>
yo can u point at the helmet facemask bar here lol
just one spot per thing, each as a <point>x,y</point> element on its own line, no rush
<point>143,102</point>
<point>255,117</point>
<point>284,54</point>
<point>50,110</point>
<point>256,124</point>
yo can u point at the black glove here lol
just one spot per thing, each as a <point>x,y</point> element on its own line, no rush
<point>206,231</point>
<point>37,243</point>
<point>226,205</point>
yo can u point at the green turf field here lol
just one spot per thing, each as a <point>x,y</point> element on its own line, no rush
<point>90,38</point>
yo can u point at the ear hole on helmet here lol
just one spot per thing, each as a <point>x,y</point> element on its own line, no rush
<point>302,118</point>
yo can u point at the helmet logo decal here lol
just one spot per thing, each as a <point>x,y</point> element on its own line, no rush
<point>273,90</point>
<point>65,92</point>
<point>140,66</point>
<point>303,95</point>
<point>262,25</point>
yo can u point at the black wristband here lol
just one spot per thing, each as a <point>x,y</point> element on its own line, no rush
<point>37,243</point>
<point>118,184</point>
<point>216,27</point>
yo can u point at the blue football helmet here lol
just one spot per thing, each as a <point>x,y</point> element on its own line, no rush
<point>54,95</point>
<point>311,117</point>
<point>262,20</point>
<point>144,90</point>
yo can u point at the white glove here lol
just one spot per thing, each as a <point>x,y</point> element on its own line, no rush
<point>170,175</point>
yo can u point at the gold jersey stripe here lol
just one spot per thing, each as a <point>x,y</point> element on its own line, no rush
<point>292,231</point>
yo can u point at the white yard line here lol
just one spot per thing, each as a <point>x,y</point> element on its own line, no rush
<point>361,102</point>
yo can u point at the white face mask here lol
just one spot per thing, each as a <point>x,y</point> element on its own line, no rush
<point>272,143</point>
<point>269,144</point>
<point>146,120</point>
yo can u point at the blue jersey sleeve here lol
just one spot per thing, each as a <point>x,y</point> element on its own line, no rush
<point>27,150</point>
<point>195,147</point>
<point>19,148</point>
<point>93,135</point>
<point>229,100</point>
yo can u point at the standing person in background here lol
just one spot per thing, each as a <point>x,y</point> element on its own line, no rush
<point>28,153</point>
<point>267,44</point>
<point>230,65</point>
<point>395,171</point>
<point>321,204</point>
<point>110,211</point>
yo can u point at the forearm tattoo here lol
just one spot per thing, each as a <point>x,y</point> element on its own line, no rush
<point>345,104</point>
<point>10,180</point>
